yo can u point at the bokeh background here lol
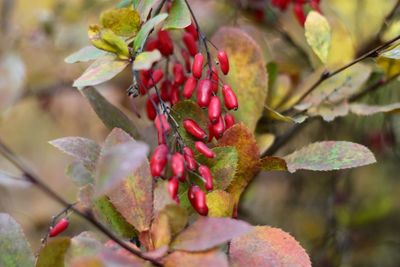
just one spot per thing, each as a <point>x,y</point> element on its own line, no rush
<point>342,218</point>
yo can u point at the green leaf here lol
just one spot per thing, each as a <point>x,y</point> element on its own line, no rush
<point>122,21</point>
<point>79,174</point>
<point>212,258</point>
<point>100,71</point>
<point>14,249</point>
<point>85,150</point>
<point>85,54</point>
<point>144,7</point>
<point>145,60</point>
<point>273,164</point>
<point>109,114</point>
<point>124,3</point>
<point>329,155</point>
<point>223,166</point>
<point>206,233</point>
<point>107,40</point>
<point>248,74</point>
<point>179,16</point>
<point>133,197</point>
<point>188,109</point>
<point>267,246</point>
<point>146,29</point>
<point>52,254</point>
<point>318,34</point>
<point>367,110</point>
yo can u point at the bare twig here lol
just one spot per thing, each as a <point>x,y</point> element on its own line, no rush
<point>35,180</point>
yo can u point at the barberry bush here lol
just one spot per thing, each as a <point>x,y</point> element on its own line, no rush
<point>213,103</point>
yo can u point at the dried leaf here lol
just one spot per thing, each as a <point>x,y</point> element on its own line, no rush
<point>14,249</point>
<point>329,155</point>
<point>248,74</point>
<point>179,16</point>
<point>161,231</point>
<point>52,254</point>
<point>208,232</point>
<point>318,34</point>
<point>122,21</point>
<point>79,174</point>
<point>85,54</point>
<point>267,246</point>
<point>213,258</point>
<point>367,110</point>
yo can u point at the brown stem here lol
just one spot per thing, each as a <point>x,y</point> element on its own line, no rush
<point>35,180</point>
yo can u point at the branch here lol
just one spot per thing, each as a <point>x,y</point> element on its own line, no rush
<point>327,74</point>
<point>35,180</point>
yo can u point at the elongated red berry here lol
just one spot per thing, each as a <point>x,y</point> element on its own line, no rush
<point>190,44</point>
<point>211,134</point>
<point>179,75</point>
<point>214,79</point>
<point>173,187</point>
<point>206,174</point>
<point>193,31</point>
<point>189,87</point>
<point>198,200</point>
<point>203,149</point>
<point>159,160</point>
<point>186,58</point>
<point>174,96</point>
<point>197,67</point>
<point>223,61</point>
<point>165,44</point>
<point>218,127</point>
<point>204,90</point>
<point>299,13</point>
<point>60,227</point>
<point>144,76</point>
<point>165,90</point>
<point>214,109</point>
<point>229,120</point>
<point>151,45</point>
<point>194,129</point>
<point>151,105</point>
<point>315,5</point>
<point>163,128</point>
<point>230,98</point>
<point>189,158</point>
<point>156,76</point>
<point>178,165</point>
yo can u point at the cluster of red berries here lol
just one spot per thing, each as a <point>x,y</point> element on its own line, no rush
<point>186,80</point>
<point>298,7</point>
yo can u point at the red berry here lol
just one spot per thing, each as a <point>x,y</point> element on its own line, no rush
<point>281,4</point>
<point>156,76</point>
<point>315,5</point>
<point>186,59</point>
<point>173,187</point>
<point>299,13</point>
<point>198,200</point>
<point>174,97</point>
<point>218,127</point>
<point>197,67</point>
<point>230,98</point>
<point>60,227</point>
<point>189,158</point>
<point>206,174</point>
<point>229,120</point>
<point>159,160</point>
<point>151,45</point>
<point>194,129</point>
<point>193,31</point>
<point>211,134</point>
<point>214,79</point>
<point>151,105</point>
<point>204,93</point>
<point>189,87</point>
<point>223,61</point>
<point>163,128</point>
<point>190,44</point>
<point>214,109</point>
<point>165,44</point>
<point>178,165</point>
<point>203,149</point>
<point>165,86</point>
<point>144,76</point>
<point>178,74</point>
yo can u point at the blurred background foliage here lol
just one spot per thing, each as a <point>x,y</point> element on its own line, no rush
<point>342,218</point>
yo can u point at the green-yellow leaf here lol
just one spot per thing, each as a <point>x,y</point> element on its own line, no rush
<point>122,21</point>
<point>179,16</point>
<point>107,40</point>
<point>220,204</point>
<point>52,254</point>
<point>100,71</point>
<point>145,60</point>
<point>85,54</point>
<point>318,34</point>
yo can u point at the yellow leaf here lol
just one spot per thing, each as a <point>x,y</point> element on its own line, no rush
<point>107,40</point>
<point>122,21</point>
<point>318,34</point>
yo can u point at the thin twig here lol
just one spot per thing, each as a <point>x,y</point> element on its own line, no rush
<point>35,180</point>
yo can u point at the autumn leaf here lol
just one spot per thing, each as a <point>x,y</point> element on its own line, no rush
<point>107,40</point>
<point>122,21</point>
<point>318,34</point>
